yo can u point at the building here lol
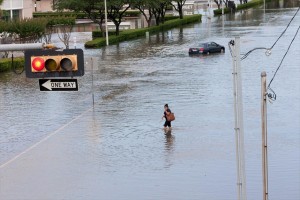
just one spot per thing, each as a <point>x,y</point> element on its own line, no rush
<point>20,9</point>
<point>43,5</point>
<point>16,9</point>
<point>187,8</point>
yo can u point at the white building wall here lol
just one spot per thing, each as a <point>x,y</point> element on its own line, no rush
<point>27,9</point>
<point>43,6</point>
<point>23,6</point>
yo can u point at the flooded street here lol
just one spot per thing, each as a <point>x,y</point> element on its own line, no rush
<point>57,145</point>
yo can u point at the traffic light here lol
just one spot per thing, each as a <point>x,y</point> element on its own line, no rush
<point>51,63</point>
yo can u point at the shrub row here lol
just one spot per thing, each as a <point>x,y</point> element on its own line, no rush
<point>98,34</point>
<point>77,15</point>
<point>250,4</point>
<point>170,17</point>
<point>135,33</point>
<point>5,64</point>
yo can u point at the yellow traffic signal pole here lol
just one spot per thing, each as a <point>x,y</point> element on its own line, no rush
<point>23,47</point>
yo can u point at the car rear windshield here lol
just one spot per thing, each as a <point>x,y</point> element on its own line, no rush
<point>202,45</point>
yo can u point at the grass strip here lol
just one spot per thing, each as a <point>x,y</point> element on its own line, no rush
<point>5,64</point>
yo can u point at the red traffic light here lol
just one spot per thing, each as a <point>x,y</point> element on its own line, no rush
<point>38,64</point>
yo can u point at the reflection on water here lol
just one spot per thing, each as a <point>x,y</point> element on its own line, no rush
<point>117,150</point>
<point>169,146</point>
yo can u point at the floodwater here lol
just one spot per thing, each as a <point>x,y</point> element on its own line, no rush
<point>58,145</point>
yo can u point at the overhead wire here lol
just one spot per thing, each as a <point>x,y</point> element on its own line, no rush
<point>269,85</point>
<point>269,49</point>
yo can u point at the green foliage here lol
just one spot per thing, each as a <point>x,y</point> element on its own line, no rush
<point>78,15</point>
<point>219,11</point>
<point>98,34</point>
<point>250,4</point>
<point>170,17</point>
<point>34,28</point>
<point>135,33</point>
<point>28,28</point>
<point>4,26</point>
<point>61,20</point>
<point>5,64</point>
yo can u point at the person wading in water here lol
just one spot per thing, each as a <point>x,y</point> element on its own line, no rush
<point>167,112</point>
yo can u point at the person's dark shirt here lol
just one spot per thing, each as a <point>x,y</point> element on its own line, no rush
<point>165,113</point>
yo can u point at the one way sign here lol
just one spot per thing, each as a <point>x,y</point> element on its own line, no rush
<point>58,85</point>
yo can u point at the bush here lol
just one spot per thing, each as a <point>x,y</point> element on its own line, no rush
<point>135,33</point>
<point>5,64</point>
<point>78,15</point>
<point>170,17</point>
<point>250,4</point>
<point>28,28</point>
<point>33,29</point>
<point>219,11</point>
<point>98,34</point>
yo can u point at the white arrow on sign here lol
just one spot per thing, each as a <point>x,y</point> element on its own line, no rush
<point>50,85</point>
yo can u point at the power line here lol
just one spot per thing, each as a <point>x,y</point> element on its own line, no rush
<point>269,49</point>
<point>283,58</point>
<point>286,27</point>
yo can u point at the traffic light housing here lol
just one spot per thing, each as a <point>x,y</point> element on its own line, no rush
<point>51,63</point>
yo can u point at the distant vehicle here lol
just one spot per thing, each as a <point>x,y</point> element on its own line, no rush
<point>207,48</point>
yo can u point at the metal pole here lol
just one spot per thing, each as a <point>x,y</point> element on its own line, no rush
<point>239,125</point>
<point>264,134</point>
<point>241,120</point>
<point>264,10</point>
<point>106,29</point>
<point>234,73</point>
<point>23,47</point>
<point>222,7</point>
<point>93,80</point>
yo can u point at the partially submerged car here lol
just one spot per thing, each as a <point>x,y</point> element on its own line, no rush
<point>207,48</point>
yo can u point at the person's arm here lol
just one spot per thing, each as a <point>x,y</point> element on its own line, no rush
<point>168,112</point>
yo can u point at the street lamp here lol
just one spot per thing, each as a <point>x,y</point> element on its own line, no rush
<point>106,30</point>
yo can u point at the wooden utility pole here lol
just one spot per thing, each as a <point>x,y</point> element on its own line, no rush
<point>264,134</point>
<point>239,121</point>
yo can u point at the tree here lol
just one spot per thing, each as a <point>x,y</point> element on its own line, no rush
<point>220,2</point>
<point>116,10</point>
<point>65,26</point>
<point>1,1</point>
<point>95,9</point>
<point>180,4</point>
<point>143,6</point>
<point>159,10</point>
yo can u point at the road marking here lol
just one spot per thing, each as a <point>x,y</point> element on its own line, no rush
<point>44,139</point>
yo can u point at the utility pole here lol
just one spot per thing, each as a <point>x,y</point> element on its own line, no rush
<point>264,134</point>
<point>239,124</point>
<point>222,7</point>
<point>106,30</point>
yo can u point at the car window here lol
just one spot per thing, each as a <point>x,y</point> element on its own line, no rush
<point>213,44</point>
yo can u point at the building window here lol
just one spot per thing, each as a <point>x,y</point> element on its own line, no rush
<point>16,14</point>
<point>5,15</point>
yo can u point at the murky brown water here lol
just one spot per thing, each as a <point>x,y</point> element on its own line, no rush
<point>118,150</point>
